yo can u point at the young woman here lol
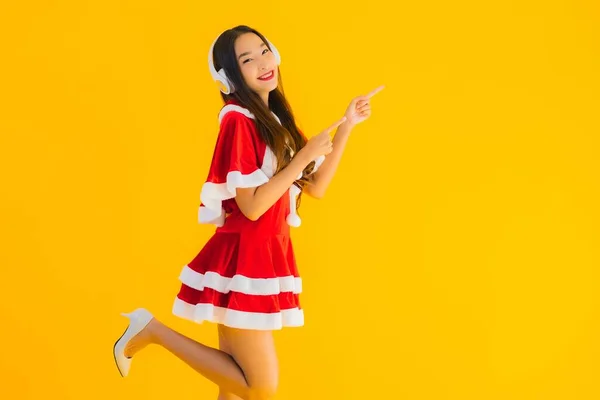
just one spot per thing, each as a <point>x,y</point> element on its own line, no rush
<point>245,278</point>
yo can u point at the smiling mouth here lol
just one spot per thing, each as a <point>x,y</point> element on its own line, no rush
<point>269,75</point>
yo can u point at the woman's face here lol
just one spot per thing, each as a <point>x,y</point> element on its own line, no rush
<point>257,63</point>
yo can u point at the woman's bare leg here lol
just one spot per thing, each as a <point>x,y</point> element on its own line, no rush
<point>224,346</point>
<point>254,351</point>
<point>268,366</point>
<point>250,372</point>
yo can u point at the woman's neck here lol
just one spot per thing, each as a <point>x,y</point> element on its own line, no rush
<point>265,98</point>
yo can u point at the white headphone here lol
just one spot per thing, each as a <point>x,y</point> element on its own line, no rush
<point>227,86</point>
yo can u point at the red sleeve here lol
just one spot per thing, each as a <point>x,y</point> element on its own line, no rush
<point>236,163</point>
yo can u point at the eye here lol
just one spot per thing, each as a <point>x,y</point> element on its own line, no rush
<point>246,60</point>
<point>265,50</point>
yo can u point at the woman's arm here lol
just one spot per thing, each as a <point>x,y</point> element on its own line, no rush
<point>358,111</point>
<point>321,179</point>
<point>254,202</point>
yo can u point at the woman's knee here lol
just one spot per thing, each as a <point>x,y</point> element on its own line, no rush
<point>264,391</point>
<point>257,392</point>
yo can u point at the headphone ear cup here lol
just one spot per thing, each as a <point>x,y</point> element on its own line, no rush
<point>275,52</point>
<point>219,76</point>
<point>227,85</point>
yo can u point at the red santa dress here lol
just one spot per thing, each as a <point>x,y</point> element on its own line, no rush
<point>246,275</point>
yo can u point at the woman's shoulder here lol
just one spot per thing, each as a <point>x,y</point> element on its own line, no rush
<point>237,124</point>
<point>232,110</point>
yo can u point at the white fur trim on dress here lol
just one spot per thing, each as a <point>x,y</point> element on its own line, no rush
<point>240,283</point>
<point>213,194</point>
<point>293,219</point>
<point>236,108</point>
<point>241,110</point>
<point>198,313</point>
<point>208,216</point>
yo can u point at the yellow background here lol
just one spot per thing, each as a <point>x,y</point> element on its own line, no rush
<point>455,256</point>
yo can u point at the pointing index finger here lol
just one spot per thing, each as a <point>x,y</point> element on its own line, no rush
<point>335,125</point>
<point>375,91</point>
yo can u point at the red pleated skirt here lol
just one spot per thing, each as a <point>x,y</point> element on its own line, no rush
<point>242,280</point>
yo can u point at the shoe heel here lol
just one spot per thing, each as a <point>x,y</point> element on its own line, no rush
<point>138,320</point>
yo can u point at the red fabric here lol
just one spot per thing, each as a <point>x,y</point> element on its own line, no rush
<point>240,301</point>
<point>253,254</point>
<point>238,148</point>
<point>253,249</point>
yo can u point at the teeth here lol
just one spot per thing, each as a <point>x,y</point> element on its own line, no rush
<point>267,75</point>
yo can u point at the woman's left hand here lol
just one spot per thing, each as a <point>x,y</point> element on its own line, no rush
<point>360,108</point>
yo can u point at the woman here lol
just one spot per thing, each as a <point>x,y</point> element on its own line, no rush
<point>245,278</point>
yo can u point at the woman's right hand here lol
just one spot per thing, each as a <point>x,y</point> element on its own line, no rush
<point>320,145</point>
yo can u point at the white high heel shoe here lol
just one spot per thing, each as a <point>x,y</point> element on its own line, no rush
<point>138,320</point>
